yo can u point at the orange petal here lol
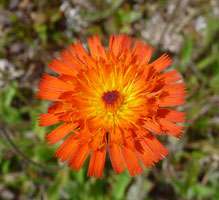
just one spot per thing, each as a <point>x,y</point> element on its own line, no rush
<point>56,108</point>
<point>161,81</point>
<point>70,60</point>
<point>79,157</point>
<point>170,128</point>
<point>172,95</point>
<point>171,115</point>
<point>155,146</point>
<point>119,44</point>
<point>97,162</point>
<point>48,119</point>
<point>79,51</point>
<point>142,51</point>
<point>96,142</point>
<point>152,126</point>
<point>68,148</point>
<point>96,48</point>
<point>161,63</point>
<point>54,84</point>
<point>48,94</point>
<point>115,156</point>
<point>131,161</point>
<point>146,151</point>
<point>170,77</point>
<point>60,132</point>
<point>61,68</point>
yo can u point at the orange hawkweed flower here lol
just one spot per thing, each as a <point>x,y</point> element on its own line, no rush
<point>113,99</point>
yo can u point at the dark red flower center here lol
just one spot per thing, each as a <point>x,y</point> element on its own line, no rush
<point>110,97</point>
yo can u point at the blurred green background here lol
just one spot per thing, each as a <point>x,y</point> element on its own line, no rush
<point>32,32</point>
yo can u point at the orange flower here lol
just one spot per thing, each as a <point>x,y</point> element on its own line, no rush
<point>113,97</point>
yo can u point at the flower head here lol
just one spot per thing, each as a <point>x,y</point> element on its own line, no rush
<point>113,99</point>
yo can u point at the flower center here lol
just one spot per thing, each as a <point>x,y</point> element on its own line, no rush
<point>112,100</point>
<point>110,97</point>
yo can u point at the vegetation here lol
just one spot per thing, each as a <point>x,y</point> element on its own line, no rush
<point>33,32</point>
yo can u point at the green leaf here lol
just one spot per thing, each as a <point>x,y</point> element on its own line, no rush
<point>127,16</point>
<point>41,29</point>
<point>198,190</point>
<point>186,54</point>
<point>212,28</point>
<point>214,83</point>
<point>61,180</point>
<point>10,93</point>
<point>191,173</point>
<point>97,190</point>
<point>121,184</point>
<point>5,166</point>
<point>180,186</point>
